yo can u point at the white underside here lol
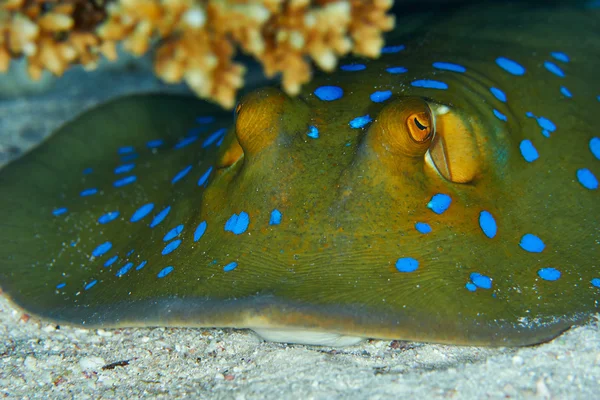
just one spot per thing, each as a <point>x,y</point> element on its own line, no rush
<point>307,337</point>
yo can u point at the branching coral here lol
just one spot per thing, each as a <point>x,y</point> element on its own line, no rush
<point>196,40</point>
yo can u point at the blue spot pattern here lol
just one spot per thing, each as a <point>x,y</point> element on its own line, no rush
<point>185,142</point>
<point>124,269</point>
<point>587,179</point>
<point>230,267</point>
<point>481,281</point>
<point>329,93</point>
<point>360,122</point>
<point>207,119</point>
<point>313,132</point>
<point>595,147</point>
<point>121,169</point>
<point>510,66</point>
<point>61,285</point>
<point>595,282</point>
<point>528,151</point>
<point>275,217</point>
<point>499,94</point>
<point>487,223</point>
<point>160,217</point>
<point>108,217</point>
<point>439,203</point>
<point>380,96</point>
<point>171,247</point>
<point>407,264</point>
<point>353,67</point>
<point>125,181</point>
<point>392,49</point>
<point>532,243</point>
<point>566,92</point>
<point>125,150</point>
<point>238,223</point>
<point>129,157</point>
<point>141,212</point>
<point>549,274</point>
<point>396,70</point>
<point>181,174</point>
<point>88,192</point>
<point>142,265</point>
<point>88,171</point>
<point>153,144</point>
<point>204,178</point>
<point>59,211</point>
<point>173,233</point>
<point>216,136</point>
<point>199,232</point>
<point>560,56</point>
<point>471,287</point>
<point>446,66</point>
<point>165,271</point>
<point>90,285</point>
<point>500,116</point>
<point>429,84</point>
<point>111,261</point>
<point>423,227</point>
<point>555,69</point>
<point>102,249</point>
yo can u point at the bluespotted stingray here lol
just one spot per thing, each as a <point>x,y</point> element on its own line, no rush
<point>446,192</point>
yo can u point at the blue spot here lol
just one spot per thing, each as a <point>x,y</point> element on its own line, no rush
<point>125,181</point>
<point>549,274</point>
<point>238,223</point>
<point>510,66</point>
<point>532,243</point>
<point>215,136</point>
<point>130,252</point>
<point>129,157</point>
<point>313,132</point>
<point>205,119</point>
<point>199,232</point>
<point>111,261</point>
<point>181,174</point>
<point>423,227</point>
<point>429,84</point>
<point>59,211</point>
<point>546,124</point>
<point>220,142</point>
<point>204,178</point>
<point>173,233</point>
<point>141,212</point>
<point>124,269</point>
<point>481,281</point>
<point>88,192</point>
<point>595,282</point>
<point>353,67</point>
<point>108,217</point>
<point>360,122</point>
<point>230,267</point>
<point>61,285</point>
<point>560,56</point>
<point>499,94</point>
<point>555,69</point>
<point>595,147</point>
<point>528,151</point>
<point>587,179</point>
<point>529,114</point>
<point>407,264</point>
<point>90,285</point>
<point>566,92</point>
<point>471,287</point>
<point>126,150</point>
<point>275,217</point>
<point>165,271</point>
<point>396,70</point>
<point>142,265</point>
<point>449,67</point>
<point>102,249</point>
<point>500,116</point>
<point>170,247</point>
<point>439,203</point>
<point>88,171</point>
<point>185,142</point>
<point>152,144</point>
<point>124,168</point>
<point>487,223</point>
<point>329,93</point>
<point>160,217</point>
<point>392,49</point>
<point>380,96</point>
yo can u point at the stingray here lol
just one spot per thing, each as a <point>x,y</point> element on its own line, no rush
<point>446,192</point>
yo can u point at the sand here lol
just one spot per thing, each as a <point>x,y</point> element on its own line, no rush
<point>39,359</point>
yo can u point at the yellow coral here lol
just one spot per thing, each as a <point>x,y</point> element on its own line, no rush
<point>197,39</point>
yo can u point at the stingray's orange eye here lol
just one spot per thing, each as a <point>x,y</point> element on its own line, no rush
<point>419,127</point>
<point>238,108</point>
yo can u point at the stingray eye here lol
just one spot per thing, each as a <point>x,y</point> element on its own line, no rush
<point>238,108</point>
<point>419,126</point>
<point>454,152</point>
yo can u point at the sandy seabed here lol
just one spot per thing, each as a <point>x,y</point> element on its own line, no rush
<point>42,360</point>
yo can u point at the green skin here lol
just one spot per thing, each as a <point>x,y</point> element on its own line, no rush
<point>349,205</point>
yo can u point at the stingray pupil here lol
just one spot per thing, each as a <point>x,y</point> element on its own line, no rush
<point>420,125</point>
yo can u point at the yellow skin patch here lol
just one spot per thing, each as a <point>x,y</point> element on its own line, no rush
<point>392,199</point>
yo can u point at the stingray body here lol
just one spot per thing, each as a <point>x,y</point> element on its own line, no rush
<point>445,192</point>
